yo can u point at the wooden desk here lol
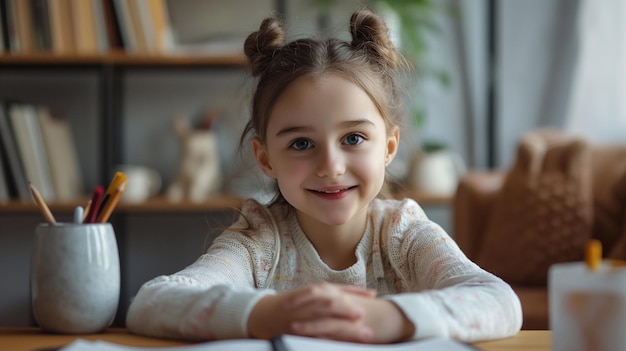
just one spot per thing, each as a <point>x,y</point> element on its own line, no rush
<point>29,339</point>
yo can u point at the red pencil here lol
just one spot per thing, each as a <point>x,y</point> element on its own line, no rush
<point>95,204</point>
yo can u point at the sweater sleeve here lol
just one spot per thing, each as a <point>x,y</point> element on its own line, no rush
<point>213,297</point>
<point>446,294</point>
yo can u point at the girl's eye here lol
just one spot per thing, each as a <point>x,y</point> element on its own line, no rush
<point>353,139</point>
<point>300,144</point>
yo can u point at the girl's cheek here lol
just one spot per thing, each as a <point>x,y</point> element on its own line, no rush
<point>302,167</point>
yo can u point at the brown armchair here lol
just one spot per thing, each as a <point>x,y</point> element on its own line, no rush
<point>502,245</point>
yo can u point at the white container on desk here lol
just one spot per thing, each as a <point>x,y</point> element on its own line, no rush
<point>587,308</point>
<point>75,277</point>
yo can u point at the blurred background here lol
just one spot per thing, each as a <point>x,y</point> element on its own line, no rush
<point>486,72</point>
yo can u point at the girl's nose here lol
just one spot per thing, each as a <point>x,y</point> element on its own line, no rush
<point>331,163</point>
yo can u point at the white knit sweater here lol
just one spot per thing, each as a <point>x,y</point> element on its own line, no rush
<point>404,256</point>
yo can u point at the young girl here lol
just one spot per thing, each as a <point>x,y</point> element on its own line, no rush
<point>328,258</point>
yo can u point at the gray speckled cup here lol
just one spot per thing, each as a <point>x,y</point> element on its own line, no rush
<point>75,277</point>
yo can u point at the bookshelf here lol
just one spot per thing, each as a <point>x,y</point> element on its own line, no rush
<point>154,205</point>
<point>110,68</point>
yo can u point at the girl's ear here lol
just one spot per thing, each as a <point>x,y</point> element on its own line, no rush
<point>262,157</point>
<point>392,145</point>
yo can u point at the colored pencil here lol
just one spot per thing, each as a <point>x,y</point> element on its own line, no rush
<point>95,204</point>
<point>45,210</point>
<point>105,213</point>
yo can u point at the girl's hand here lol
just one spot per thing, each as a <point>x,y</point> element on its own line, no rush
<point>327,300</point>
<point>277,314</point>
<point>346,313</point>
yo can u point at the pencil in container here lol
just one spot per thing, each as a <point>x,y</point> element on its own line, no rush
<point>92,210</point>
<point>86,212</point>
<point>105,212</point>
<point>117,180</point>
<point>45,210</point>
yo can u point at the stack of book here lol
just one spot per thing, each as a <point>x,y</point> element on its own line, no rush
<point>37,147</point>
<point>84,26</point>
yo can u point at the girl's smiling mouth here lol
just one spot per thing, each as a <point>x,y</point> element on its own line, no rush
<point>333,193</point>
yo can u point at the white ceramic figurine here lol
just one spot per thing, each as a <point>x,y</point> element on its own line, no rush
<point>199,175</point>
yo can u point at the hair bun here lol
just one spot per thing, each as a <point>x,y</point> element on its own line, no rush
<point>259,47</point>
<point>370,33</point>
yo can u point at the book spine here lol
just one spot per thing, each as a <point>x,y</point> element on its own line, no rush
<point>16,175</point>
<point>41,25</point>
<point>102,37</point>
<point>4,185</point>
<point>13,38</point>
<point>126,28</point>
<point>31,150</point>
<point>24,25</point>
<point>4,30</point>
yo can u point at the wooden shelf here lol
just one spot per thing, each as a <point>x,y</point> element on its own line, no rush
<point>163,205</point>
<point>156,205</point>
<point>121,58</point>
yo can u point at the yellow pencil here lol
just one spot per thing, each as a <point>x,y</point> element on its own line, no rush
<point>42,204</point>
<point>118,178</point>
<point>593,254</point>
<point>105,212</point>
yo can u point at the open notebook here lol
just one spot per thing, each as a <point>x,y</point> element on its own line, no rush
<point>289,342</point>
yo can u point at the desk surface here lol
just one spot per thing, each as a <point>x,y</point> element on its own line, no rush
<point>29,339</point>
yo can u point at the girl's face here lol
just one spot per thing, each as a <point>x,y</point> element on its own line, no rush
<point>327,146</point>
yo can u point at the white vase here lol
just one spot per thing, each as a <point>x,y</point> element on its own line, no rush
<point>435,172</point>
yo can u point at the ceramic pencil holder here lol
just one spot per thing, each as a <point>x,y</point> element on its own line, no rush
<point>75,277</point>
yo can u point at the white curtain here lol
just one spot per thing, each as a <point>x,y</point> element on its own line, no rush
<point>561,63</point>
<point>597,108</point>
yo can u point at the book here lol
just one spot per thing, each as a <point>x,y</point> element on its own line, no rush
<point>84,24</point>
<point>128,35</point>
<point>102,36</point>
<point>15,175</point>
<point>10,26</point>
<point>62,155</point>
<point>163,38</point>
<point>146,25</point>
<point>62,37</point>
<point>289,343</point>
<point>112,25</point>
<point>31,149</point>
<point>138,30</point>
<point>24,20</point>
<point>5,196</point>
<point>42,35</point>
<point>2,29</point>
